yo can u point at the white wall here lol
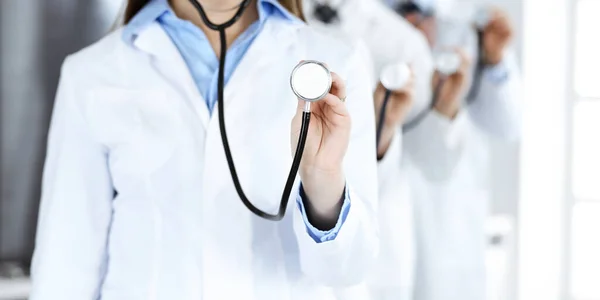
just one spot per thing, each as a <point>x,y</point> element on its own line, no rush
<point>547,85</point>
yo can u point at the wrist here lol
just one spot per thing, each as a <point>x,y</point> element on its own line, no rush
<point>493,58</point>
<point>324,191</point>
<point>449,111</point>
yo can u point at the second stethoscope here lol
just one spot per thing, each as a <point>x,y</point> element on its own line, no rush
<point>446,63</point>
<point>310,81</point>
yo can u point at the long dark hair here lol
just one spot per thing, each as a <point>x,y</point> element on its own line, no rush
<point>134,6</point>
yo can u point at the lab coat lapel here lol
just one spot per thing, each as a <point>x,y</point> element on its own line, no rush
<point>169,62</point>
<point>266,49</point>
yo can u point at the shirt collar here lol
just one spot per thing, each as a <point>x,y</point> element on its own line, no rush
<point>157,8</point>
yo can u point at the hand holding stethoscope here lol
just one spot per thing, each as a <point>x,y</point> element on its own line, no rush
<point>450,81</point>
<point>393,98</point>
<point>326,144</point>
<point>494,33</point>
<point>497,33</point>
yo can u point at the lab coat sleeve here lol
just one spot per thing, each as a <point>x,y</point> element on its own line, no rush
<point>496,110</point>
<point>345,260</point>
<point>318,235</point>
<point>75,209</point>
<point>437,144</point>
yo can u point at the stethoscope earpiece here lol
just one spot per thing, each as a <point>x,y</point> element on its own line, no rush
<point>310,80</point>
<point>447,62</point>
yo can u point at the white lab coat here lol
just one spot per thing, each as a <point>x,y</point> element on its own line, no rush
<point>449,177</point>
<point>132,120</point>
<point>389,39</point>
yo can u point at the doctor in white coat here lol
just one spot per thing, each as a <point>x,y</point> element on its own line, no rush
<point>449,152</point>
<point>138,202</point>
<point>388,39</point>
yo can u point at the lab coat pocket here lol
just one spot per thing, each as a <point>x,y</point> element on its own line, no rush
<point>138,127</point>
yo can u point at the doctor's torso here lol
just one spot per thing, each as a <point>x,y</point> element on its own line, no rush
<point>178,229</point>
<point>451,214</point>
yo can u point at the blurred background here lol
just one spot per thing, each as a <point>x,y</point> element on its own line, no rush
<point>544,223</point>
<point>35,37</point>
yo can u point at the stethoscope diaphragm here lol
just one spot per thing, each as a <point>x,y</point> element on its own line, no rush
<point>447,62</point>
<point>395,76</point>
<point>310,80</point>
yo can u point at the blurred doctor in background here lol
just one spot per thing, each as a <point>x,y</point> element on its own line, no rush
<point>478,101</point>
<point>389,40</point>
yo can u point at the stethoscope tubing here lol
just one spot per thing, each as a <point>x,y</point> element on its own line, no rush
<point>381,121</point>
<point>477,76</point>
<point>418,119</point>
<point>221,107</point>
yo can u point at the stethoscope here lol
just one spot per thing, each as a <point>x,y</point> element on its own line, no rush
<point>310,81</point>
<point>446,63</point>
<point>395,76</point>
<point>481,20</point>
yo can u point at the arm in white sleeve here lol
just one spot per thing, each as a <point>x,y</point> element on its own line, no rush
<point>497,107</point>
<point>345,259</point>
<point>75,210</point>
<point>436,144</point>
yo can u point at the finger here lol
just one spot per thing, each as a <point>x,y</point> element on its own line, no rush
<point>465,58</point>
<point>408,85</point>
<point>465,62</point>
<point>338,86</point>
<point>500,21</point>
<point>495,13</point>
<point>499,24</point>
<point>407,88</point>
<point>300,106</point>
<point>336,105</point>
<point>505,26</point>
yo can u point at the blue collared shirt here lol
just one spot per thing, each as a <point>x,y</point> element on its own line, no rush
<point>195,47</point>
<point>497,74</point>
<point>204,66</point>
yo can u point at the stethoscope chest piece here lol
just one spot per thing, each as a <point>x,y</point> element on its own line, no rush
<point>310,80</point>
<point>395,76</point>
<point>447,62</point>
